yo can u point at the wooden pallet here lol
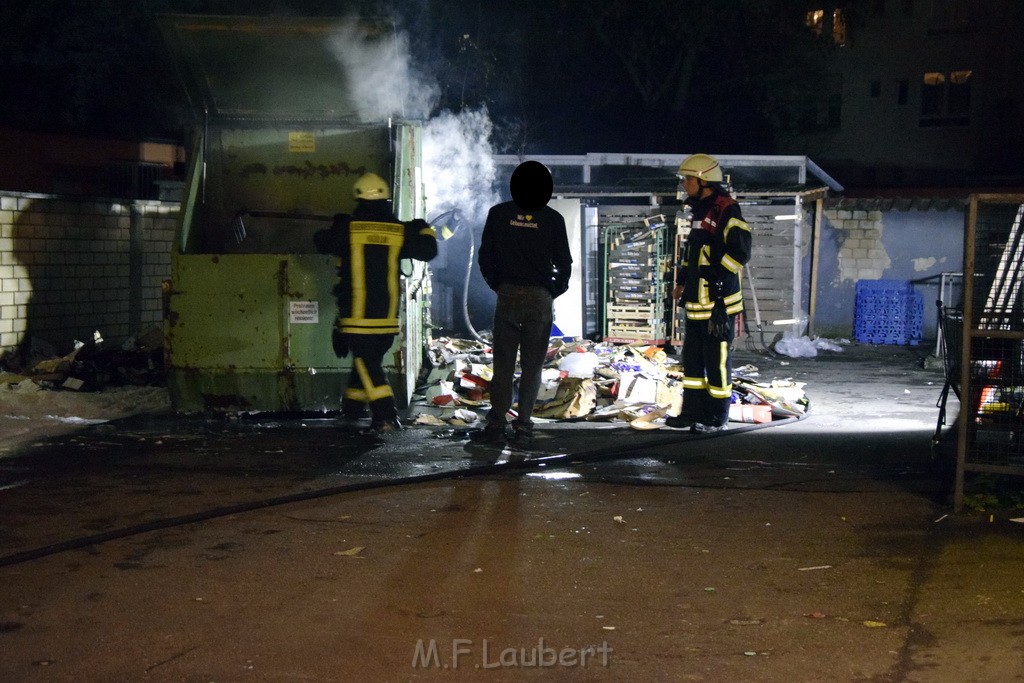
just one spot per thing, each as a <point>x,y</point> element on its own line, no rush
<point>651,341</point>
<point>649,312</point>
<point>637,331</point>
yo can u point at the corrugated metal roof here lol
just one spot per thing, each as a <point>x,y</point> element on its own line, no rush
<point>896,203</point>
<point>658,188</point>
<point>938,198</point>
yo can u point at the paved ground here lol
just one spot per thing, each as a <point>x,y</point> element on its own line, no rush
<point>159,548</point>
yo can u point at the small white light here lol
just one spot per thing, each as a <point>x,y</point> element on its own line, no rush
<point>555,475</point>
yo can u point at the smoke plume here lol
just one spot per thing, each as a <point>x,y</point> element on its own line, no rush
<point>458,165</point>
<point>381,75</point>
<point>458,161</point>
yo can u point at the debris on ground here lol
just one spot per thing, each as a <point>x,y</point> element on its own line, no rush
<point>90,366</point>
<point>635,383</point>
<point>805,347</point>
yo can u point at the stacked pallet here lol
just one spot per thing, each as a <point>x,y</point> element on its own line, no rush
<point>635,290</point>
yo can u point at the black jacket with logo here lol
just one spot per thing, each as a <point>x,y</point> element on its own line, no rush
<point>525,248</point>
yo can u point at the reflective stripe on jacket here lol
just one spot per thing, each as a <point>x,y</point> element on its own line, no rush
<point>716,250</point>
<point>369,245</point>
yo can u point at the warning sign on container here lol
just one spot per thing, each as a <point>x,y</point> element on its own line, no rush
<point>301,141</point>
<point>304,312</point>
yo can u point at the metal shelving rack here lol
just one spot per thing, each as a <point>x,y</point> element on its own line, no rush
<point>635,287</point>
<point>991,364</point>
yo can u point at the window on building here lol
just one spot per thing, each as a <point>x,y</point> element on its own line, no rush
<point>876,88</point>
<point>839,27</point>
<point>933,91</point>
<point>903,91</point>
<point>815,21</point>
<point>960,93</point>
<point>946,98</point>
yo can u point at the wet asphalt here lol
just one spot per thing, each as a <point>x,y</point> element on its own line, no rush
<point>94,506</point>
<point>868,428</point>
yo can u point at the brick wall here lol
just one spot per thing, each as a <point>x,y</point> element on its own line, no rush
<point>70,266</point>
<point>862,255</point>
<point>910,240</point>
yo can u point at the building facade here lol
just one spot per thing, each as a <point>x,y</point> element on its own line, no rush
<point>917,93</point>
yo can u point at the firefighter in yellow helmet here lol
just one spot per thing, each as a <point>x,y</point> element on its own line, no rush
<point>369,245</point>
<point>708,282</point>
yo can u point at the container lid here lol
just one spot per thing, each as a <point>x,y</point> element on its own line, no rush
<point>267,68</point>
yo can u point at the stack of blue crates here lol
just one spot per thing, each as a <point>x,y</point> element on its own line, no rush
<point>888,312</point>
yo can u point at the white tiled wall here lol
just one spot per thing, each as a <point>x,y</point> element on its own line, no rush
<point>67,267</point>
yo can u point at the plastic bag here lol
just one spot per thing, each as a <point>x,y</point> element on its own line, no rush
<point>579,364</point>
<point>796,347</point>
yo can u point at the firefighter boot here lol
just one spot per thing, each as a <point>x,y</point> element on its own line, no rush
<point>385,416</point>
<point>693,410</point>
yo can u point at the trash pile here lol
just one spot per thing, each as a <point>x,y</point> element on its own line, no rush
<point>90,366</point>
<point>586,380</point>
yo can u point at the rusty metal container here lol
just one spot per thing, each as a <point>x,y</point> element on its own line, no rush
<point>279,140</point>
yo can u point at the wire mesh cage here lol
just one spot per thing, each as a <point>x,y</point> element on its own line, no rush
<point>991,364</point>
<point>951,333</point>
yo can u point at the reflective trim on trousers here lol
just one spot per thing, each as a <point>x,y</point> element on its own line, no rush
<point>372,392</point>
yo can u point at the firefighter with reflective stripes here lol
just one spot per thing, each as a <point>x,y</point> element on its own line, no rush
<point>708,282</point>
<point>370,244</point>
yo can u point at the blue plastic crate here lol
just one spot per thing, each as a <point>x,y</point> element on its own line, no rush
<point>898,286</point>
<point>888,312</point>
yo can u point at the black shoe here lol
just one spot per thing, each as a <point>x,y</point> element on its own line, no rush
<point>491,433</point>
<point>701,428</point>
<point>386,426</point>
<point>522,438</point>
<point>681,421</point>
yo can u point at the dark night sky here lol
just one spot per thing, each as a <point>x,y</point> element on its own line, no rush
<point>556,76</point>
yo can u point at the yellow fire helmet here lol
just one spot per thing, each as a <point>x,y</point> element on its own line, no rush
<point>371,186</point>
<point>702,167</point>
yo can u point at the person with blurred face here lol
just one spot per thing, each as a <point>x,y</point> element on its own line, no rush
<point>524,257</point>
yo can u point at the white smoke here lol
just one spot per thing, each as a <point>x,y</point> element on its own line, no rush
<point>381,77</point>
<point>459,174</point>
<point>458,165</point>
<point>458,161</point>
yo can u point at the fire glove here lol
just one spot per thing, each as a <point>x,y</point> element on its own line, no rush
<point>718,323</point>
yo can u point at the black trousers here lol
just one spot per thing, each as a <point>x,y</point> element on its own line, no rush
<point>522,325</point>
<point>367,383</point>
<point>707,372</point>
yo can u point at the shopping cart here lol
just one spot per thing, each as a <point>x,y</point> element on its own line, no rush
<point>951,332</point>
<point>995,398</point>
